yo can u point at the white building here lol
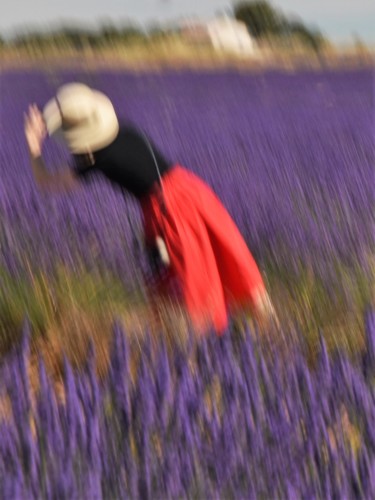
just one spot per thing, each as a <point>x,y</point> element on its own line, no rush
<point>225,34</point>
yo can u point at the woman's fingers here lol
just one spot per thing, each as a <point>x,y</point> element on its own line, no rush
<point>28,123</point>
<point>34,121</point>
<point>35,129</point>
<point>34,113</point>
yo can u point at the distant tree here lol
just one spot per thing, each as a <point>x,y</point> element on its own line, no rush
<point>260,17</point>
<point>263,20</point>
<point>76,36</point>
<point>131,33</point>
<point>155,32</point>
<point>30,38</point>
<point>108,34</point>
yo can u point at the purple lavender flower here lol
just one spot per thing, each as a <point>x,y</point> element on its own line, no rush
<point>369,356</point>
<point>119,377</point>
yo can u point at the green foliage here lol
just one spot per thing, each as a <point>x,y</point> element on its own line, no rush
<point>300,299</point>
<point>335,309</point>
<point>109,34</point>
<point>79,37</point>
<point>264,20</point>
<point>43,298</point>
<point>260,17</point>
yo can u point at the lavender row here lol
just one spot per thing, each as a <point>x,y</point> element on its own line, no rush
<point>216,421</point>
<point>290,155</point>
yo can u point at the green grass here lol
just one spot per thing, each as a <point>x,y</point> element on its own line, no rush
<point>301,300</point>
<point>45,300</point>
<point>336,311</point>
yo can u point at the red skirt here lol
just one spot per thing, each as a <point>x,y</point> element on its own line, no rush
<point>210,262</point>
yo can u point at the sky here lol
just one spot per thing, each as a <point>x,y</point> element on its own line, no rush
<point>340,20</point>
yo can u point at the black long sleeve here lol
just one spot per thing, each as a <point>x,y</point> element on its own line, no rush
<point>128,162</point>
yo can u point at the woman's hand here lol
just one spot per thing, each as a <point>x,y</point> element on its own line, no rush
<point>35,130</point>
<point>264,310</point>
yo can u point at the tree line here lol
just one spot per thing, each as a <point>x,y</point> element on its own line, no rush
<point>263,20</point>
<point>260,17</point>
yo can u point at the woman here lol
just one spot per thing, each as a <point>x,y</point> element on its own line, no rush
<point>199,251</point>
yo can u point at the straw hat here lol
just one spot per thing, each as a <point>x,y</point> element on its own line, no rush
<point>84,118</point>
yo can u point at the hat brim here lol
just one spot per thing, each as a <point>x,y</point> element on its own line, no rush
<point>92,134</point>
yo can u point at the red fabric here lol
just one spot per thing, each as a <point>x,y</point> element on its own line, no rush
<point>210,260</point>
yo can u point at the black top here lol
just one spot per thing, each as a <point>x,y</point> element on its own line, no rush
<point>128,162</point>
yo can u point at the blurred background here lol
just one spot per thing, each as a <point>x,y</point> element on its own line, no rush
<point>256,33</point>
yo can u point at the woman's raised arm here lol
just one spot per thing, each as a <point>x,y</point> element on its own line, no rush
<point>35,132</point>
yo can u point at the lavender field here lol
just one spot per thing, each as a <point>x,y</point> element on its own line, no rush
<point>292,157</point>
<point>218,421</point>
